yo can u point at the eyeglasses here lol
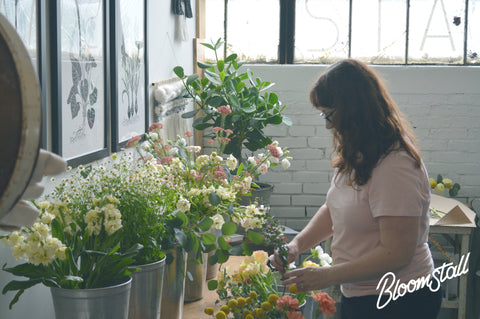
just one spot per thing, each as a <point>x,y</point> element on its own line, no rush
<point>327,116</point>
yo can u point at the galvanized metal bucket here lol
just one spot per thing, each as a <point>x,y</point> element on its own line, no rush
<point>195,288</point>
<point>174,286</point>
<point>106,303</point>
<point>146,292</point>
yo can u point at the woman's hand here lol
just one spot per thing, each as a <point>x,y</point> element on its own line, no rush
<point>308,278</point>
<point>279,263</point>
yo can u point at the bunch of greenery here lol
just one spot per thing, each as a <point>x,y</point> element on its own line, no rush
<point>202,194</point>
<point>233,100</point>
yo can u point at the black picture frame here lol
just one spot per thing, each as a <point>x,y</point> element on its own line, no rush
<point>129,117</point>
<point>80,104</point>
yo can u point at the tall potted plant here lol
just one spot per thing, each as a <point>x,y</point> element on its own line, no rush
<point>234,100</point>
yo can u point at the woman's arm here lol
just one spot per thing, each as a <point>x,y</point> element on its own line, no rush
<point>398,240</point>
<point>317,230</point>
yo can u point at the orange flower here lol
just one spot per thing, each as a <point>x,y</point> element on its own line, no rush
<point>326,303</point>
<point>287,303</point>
<point>294,315</point>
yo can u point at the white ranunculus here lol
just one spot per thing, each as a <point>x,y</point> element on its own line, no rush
<point>218,221</point>
<point>183,205</point>
<point>285,163</point>
<point>231,162</point>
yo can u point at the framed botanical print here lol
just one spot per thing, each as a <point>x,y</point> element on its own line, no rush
<point>129,80</point>
<point>79,63</point>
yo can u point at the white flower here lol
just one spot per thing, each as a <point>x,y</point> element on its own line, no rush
<point>251,211</point>
<point>183,205</point>
<point>173,151</point>
<point>231,162</point>
<point>202,160</point>
<point>285,163</point>
<point>146,146</point>
<point>325,260</point>
<point>154,136</point>
<point>218,221</point>
<point>251,160</point>
<point>47,218</point>
<point>318,251</point>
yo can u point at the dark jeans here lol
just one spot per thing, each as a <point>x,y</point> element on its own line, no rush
<point>421,304</point>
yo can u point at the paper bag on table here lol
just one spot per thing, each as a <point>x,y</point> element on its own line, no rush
<point>457,213</point>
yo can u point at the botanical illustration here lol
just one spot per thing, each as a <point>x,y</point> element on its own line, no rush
<point>131,68</point>
<point>83,93</point>
<point>130,74</point>
<point>82,79</point>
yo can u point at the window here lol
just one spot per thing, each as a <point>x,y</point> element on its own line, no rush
<point>325,31</point>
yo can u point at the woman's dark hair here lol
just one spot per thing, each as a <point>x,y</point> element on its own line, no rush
<point>367,122</point>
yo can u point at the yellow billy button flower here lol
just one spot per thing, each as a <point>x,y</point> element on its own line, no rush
<point>439,188</point>
<point>433,182</point>
<point>241,301</point>
<point>447,182</point>
<point>253,294</point>
<point>272,299</point>
<point>225,309</point>
<point>266,306</point>
<point>220,315</point>
<point>293,289</point>
<point>249,300</point>
<point>249,316</point>
<point>246,312</point>
<point>259,312</point>
<point>232,303</point>
<point>209,311</point>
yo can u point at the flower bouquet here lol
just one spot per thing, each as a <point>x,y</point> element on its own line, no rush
<point>254,291</point>
<point>74,244</point>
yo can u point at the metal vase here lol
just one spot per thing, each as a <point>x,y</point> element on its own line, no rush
<point>146,292</point>
<point>107,303</point>
<point>174,286</point>
<point>195,288</point>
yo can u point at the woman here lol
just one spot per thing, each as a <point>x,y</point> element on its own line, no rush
<point>376,208</point>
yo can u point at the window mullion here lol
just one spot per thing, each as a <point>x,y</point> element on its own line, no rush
<point>286,46</point>
<point>407,31</point>
<point>465,35</point>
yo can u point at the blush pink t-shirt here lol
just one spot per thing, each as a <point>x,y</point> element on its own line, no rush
<point>396,188</point>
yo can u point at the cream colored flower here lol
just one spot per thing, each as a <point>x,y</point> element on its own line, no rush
<point>285,163</point>
<point>218,221</point>
<point>183,205</point>
<point>232,162</point>
<point>260,256</point>
<point>202,160</point>
<point>440,188</point>
<point>309,263</point>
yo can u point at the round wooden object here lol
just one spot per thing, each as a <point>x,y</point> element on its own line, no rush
<point>20,117</point>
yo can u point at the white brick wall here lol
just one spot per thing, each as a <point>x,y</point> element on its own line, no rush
<point>443,104</point>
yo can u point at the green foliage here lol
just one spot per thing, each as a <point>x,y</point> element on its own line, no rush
<point>253,106</point>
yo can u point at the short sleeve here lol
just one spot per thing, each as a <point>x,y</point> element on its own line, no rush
<point>398,187</point>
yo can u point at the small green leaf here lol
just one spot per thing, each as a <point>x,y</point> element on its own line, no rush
<point>207,45</point>
<point>212,260</point>
<point>222,256</point>
<point>214,199</point>
<point>190,114</point>
<point>286,120</point>
<point>181,237</point>
<point>220,66</point>
<point>208,239</point>
<point>205,223</point>
<point>223,244</point>
<point>205,65</point>
<point>212,285</point>
<point>229,229</point>
<point>255,238</point>
<point>216,101</point>
<point>191,78</point>
<point>178,70</point>
<point>222,75</point>
<point>231,57</point>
